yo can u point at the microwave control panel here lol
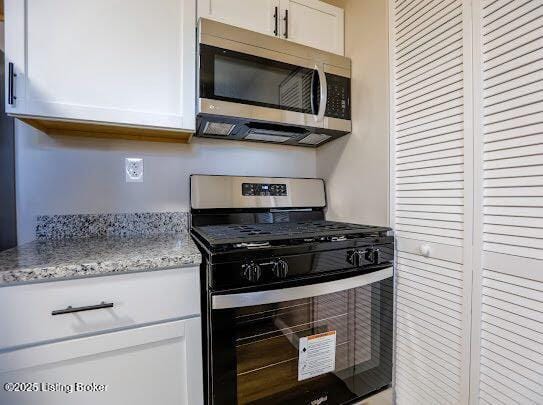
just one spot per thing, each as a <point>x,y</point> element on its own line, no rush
<point>339,97</point>
<point>263,190</point>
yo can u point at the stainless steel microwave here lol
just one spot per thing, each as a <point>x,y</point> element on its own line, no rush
<point>255,87</point>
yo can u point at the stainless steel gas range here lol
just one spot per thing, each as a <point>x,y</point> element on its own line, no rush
<point>297,309</point>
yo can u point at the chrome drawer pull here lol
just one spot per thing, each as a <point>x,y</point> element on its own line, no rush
<point>71,309</point>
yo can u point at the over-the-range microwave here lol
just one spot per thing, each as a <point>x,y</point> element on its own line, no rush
<point>256,87</point>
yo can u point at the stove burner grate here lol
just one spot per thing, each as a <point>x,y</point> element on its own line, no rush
<point>222,234</point>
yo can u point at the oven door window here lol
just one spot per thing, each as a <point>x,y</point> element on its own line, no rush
<point>257,351</point>
<point>237,77</point>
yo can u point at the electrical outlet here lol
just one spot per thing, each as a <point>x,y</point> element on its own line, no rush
<point>134,170</point>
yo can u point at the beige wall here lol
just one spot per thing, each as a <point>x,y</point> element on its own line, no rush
<point>356,167</point>
<point>337,3</point>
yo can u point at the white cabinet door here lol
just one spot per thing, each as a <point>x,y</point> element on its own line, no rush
<point>137,366</point>
<point>313,23</point>
<point>507,353</point>
<point>308,22</point>
<point>254,15</point>
<point>123,62</point>
<point>432,204</point>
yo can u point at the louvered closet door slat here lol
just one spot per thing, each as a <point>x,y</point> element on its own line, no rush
<point>513,33</point>
<point>431,68</point>
<point>421,12</point>
<point>511,79</point>
<point>508,360</point>
<point>444,91</point>
<point>403,7</point>
<point>433,106</point>
<point>429,138</point>
<point>430,152</point>
<point>428,92</point>
<point>427,29</point>
<point>450,70</point>
<point>514,44</point>
<point>416,60</point>
<point>514,27</point>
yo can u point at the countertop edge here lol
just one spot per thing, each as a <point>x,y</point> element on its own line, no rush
<point>47,261</point>
<point>82,274</point>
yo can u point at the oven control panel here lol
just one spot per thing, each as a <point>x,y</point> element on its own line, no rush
<point>260,189</point>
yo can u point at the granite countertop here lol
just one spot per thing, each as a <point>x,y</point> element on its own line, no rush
<point>48,260</point>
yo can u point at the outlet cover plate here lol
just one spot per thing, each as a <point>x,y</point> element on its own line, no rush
<point>134,170</point>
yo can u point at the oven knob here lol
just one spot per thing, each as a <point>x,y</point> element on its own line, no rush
<point>356,258</point>
<point>280,268</point>
<point>251,272</point>
<point>372,255</point>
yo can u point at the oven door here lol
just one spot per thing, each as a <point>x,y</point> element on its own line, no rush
<point>243,81</point>
<point>326,343</point>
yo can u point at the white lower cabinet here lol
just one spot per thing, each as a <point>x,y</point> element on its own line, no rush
<point>130,338</point>
<point>138,366</point>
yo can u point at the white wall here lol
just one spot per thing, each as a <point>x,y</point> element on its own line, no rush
<point>356,167</point>
<point>69,175</point>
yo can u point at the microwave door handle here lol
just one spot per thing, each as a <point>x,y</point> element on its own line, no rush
<point>250,299</point>
<point>314,109</point>
<point>324,93</point>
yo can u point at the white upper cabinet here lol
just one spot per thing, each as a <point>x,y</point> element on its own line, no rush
<point>308,22</point>
<point>254,15</point>
<point>127,62</point>
<point>314,23</point>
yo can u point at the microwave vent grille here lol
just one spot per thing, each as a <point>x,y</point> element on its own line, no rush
<point>315,139</point>
<point>218,128</point>
<point>268,135</point>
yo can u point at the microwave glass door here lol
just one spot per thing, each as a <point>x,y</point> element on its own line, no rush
<point>237,77</point>
<point>327,349</point>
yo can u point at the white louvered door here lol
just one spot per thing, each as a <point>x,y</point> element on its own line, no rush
<point>467,153</point>
<point>431,137</point>
<point>507,344</point>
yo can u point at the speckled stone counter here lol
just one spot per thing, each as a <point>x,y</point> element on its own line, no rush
<point>48,260</point>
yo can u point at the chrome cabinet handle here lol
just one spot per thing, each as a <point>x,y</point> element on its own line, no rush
<point>324,93</point>
<point>70,309</point>
<point>11,84</point>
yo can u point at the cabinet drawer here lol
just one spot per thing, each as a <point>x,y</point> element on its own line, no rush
<point>137,298</point>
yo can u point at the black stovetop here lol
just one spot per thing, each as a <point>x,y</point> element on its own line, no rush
<point>266,232</point>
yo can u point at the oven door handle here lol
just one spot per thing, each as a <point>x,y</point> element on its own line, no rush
<point>295,293</point>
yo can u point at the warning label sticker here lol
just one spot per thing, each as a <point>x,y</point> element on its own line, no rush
<point>317,355</point>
